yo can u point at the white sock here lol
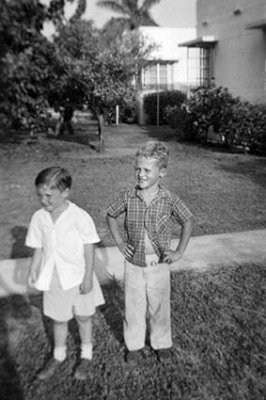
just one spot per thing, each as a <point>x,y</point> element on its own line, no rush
<point>60,353</point>
<point>86,351</point>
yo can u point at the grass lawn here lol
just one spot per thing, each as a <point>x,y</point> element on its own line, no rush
<point>226,192</point>
<point>218,316</point>
<point>218,322</point>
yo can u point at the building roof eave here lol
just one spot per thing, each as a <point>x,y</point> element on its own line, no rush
<point>201,41</point>
<point>163,61</point>
<point>259,24</point>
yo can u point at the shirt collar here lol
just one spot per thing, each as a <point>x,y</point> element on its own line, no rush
<point>62,215</point>
<point>137,193</point>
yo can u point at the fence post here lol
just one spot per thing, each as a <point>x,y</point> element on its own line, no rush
<point>117,115</point>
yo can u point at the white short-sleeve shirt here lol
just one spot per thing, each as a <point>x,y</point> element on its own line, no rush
<point>62,244</point>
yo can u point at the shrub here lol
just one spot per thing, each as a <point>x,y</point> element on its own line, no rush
<point>237,122</point>
<point>245,126</point>
<point>169,98</point>
<point>205,108</point>
<point>127,112</point>
<point>176,119</point>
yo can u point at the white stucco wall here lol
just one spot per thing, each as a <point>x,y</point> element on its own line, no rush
<point>167,49</point>
<point>167,40</point>
<point>240,53</point>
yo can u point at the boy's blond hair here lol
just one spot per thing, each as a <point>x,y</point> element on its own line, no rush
<point>154,149</point>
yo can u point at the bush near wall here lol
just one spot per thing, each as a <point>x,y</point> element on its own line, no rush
<point>168,98</point>
<point>245,126</point>
<point>127,112</point>
<point>238,123</point>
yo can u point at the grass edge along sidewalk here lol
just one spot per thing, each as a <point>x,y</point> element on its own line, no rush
<point>203,252</point>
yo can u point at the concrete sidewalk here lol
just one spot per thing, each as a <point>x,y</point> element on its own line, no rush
<point>203,252</point>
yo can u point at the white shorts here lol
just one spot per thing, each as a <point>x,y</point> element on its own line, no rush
<point>62,305</point>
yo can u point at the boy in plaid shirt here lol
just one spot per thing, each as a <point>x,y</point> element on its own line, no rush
<point>150,211</point>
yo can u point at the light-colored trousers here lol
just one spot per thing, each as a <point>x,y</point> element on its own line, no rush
<point>147,293</point>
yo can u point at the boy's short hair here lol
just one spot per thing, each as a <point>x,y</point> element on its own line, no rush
<point>55,177</point>
<point>154,149</point>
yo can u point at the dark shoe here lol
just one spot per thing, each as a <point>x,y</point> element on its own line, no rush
<point>164,355</point>
<point>132,358</point>
<point>49,369</point>
<point>82,369</point>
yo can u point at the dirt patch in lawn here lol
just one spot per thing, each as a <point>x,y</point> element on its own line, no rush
<point>226,192</point>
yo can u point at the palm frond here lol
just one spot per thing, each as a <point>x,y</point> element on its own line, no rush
<point>135,15</point>
<point>148,4</point>
<point>113,5</point>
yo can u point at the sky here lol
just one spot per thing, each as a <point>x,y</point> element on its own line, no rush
<point>168,13</point>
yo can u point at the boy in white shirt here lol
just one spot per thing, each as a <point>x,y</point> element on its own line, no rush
<point>63,237</point>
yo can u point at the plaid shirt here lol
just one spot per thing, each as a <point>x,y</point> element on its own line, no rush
<point>157,219</point>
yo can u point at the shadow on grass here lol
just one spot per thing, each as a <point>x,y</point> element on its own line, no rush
<point>19,249</point>
<point>255,168</point>
<point>11,308</point>
<point>161,133</point>
<point>12,135</point>
<point>112,310</point>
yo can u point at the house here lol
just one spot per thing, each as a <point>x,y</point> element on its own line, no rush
<point>168,66</point>
<point>231,38</point>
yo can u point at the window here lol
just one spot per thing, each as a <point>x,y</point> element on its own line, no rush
<point>205,67</point>
<point>200,66</point>
<point>158,76</point>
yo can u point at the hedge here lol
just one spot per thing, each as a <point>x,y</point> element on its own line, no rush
<point>166,98</point>
<point>238,123</point>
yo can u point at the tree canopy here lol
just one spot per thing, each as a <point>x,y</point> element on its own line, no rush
<point>80,64</point>
<point>98,75</point>
<point>26,57</point>
<point>29,63</point>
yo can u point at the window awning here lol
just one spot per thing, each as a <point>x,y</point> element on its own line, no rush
<point>163,61</point>
<point>260,24</point>
<point>204,42</point>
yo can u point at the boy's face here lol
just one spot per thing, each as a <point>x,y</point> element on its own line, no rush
<point>51,198</point>
<point>148,172</point>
